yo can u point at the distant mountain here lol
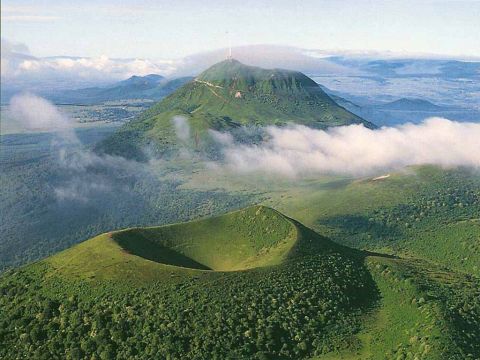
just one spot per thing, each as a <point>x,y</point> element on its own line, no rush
<point>141,82</point>
<point>401,111</point>
<point>409,67</point>
<point>404,110</point>
<point>228,95</point>
<point>405,104</point>
<point>151,87</point>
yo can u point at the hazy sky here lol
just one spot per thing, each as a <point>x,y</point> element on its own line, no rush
<point>174,28</point>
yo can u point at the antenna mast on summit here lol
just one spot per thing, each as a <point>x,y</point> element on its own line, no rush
<point>229,57</point>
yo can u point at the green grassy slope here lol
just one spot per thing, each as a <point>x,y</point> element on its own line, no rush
<point>425,312</point>
<point>225,96</point>
<point>240,240</point>
<point>254,96</point>
<point>244,239</point>
<point>428,213</point>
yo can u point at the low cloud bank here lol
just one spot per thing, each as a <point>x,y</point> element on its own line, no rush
<point>293,151</point>
<point>182,128</point>
<point>355,150</point>
<point>34,113</point>
<point>21,68</point>
<point>86,176</point>
<point>82,174</point>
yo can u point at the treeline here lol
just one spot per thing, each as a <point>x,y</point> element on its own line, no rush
<point>303,308</point>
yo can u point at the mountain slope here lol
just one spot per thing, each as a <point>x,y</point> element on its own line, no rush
<point>225,96</point>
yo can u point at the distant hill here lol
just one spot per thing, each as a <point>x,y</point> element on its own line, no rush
<point>145,82</point>
<point>151,87</point>
<point>228,95</point>
<point>405,104</point>
<point>401,111</point>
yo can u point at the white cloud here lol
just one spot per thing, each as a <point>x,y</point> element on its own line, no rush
<point>34,113</point>
<point>266,56</point>
<point>84,174</point>
<point>21,70</point>
<point>302,151</point>
<point>101,67</point>
<point>225,139</point>
<point>182,127</point>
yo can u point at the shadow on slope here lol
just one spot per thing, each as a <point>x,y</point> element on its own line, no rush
<point>137,244</point>
<point>244,239</point>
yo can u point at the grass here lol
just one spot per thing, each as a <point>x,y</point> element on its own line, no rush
<point>102,258</point>
<point>418,314</point>
<point>244,239</point>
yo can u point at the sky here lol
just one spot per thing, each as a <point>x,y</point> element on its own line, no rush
<point>177,28</point>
